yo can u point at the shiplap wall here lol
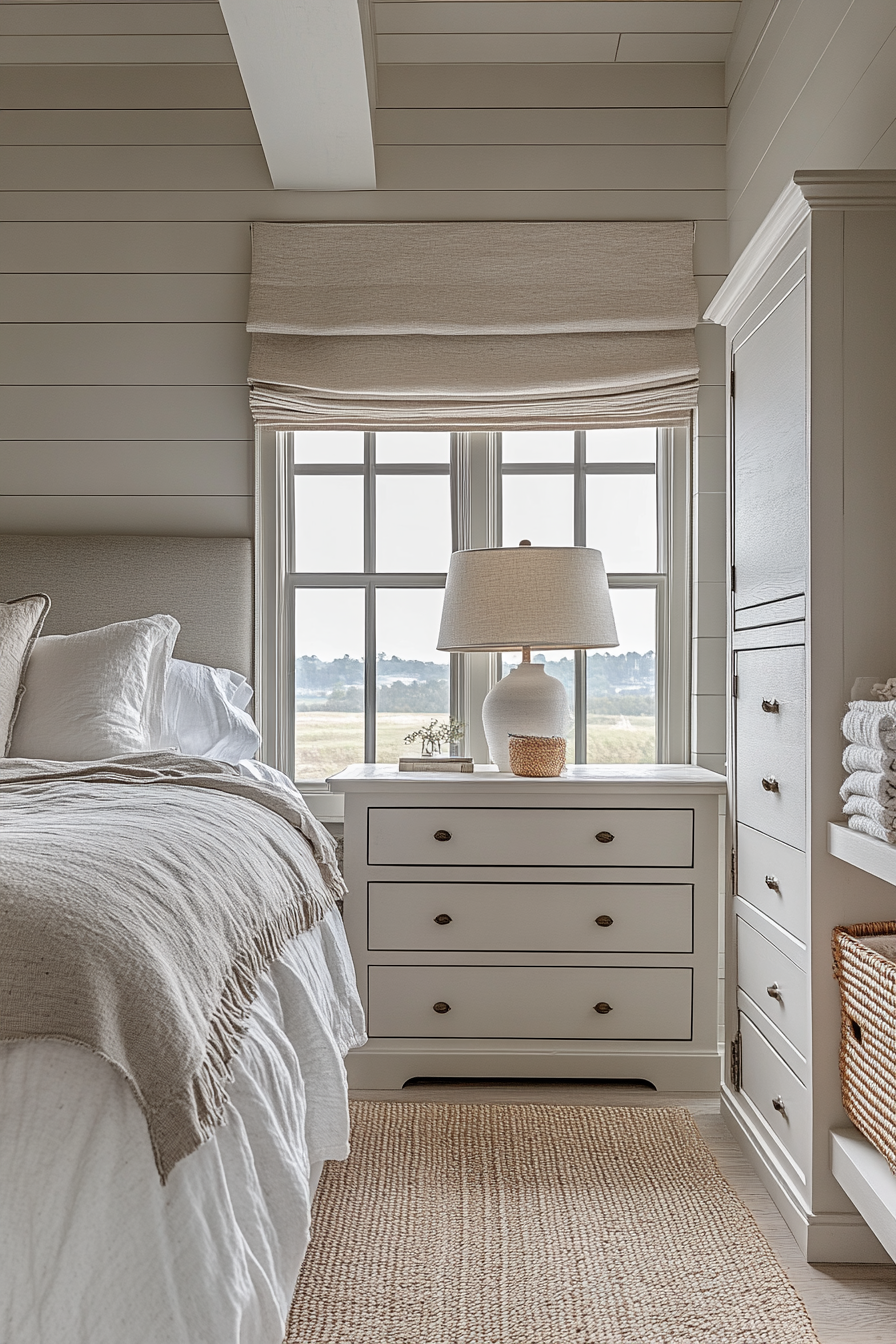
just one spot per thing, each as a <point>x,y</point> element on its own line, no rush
<point>130,169</point>
<point>811,84</point>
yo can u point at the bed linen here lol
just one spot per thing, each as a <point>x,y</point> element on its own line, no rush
<point>94,1250</point>
<point>140,898</point>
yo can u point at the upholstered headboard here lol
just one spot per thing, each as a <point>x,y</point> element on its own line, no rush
<point>205,582</point>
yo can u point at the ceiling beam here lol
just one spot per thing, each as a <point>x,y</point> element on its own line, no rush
<point>302,63</point>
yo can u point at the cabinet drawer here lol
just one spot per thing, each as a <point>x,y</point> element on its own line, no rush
<point>531,837</point>
<point>765,1078</point>
<point>771,746</point>
<point>531,916</point>
<point>760,967</point>
<point>531,1002</point>
<point>772,876</point>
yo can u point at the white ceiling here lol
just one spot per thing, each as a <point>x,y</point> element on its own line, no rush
<point>440,32</point>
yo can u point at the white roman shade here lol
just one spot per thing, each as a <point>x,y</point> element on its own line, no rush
<point>472,325</point>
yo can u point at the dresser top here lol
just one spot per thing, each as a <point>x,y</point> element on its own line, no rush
<point>637,778</point>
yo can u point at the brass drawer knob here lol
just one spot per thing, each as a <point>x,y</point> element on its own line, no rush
<point>441,1007</point>
<point>442,835</point>
<point>778,1103</point>
<point>774,992</point>
<point>604,921</point>
<point>442,919</point>
<point>772,884</point>
<point>602,1008</point>
<point>770,784</point>
<point>604,837</point>
<point>771,707</point>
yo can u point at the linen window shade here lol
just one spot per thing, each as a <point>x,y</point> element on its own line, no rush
<point>472,325</point>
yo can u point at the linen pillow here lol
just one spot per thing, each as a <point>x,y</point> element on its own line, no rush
<point>96,694</point>
<point>20,623</point>
<point>204,713</point>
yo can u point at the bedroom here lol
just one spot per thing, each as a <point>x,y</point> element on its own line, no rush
<point>133,167</point>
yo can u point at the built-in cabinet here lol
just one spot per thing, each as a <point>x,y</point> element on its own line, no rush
<point>810,311</point>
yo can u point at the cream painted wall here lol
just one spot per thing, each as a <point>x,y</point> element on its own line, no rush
<point>130,169</point>
<point>811,84</point>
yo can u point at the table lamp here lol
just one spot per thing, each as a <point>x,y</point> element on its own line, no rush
<point>525,597</point>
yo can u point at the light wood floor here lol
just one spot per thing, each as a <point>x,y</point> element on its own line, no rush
<point>849,1304</point>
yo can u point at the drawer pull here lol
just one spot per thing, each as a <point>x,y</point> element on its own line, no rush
<point>778,1103</point>
<point>770,784</point>
<point>604,921</point>
<point>604,837</point>
<point>442,835</point>
<point>771,707</point>
<point>602,1008</point>
<point>441,1007</point>
<point>772,884</point>
<point>774,992</point>
<point>442,919</point>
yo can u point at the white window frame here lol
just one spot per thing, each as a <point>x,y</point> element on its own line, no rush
<point>475,458</point>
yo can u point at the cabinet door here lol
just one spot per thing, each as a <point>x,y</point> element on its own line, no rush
<point>769,481</point>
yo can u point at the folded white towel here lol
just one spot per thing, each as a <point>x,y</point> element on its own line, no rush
<point>869,827</point>
<point>870,723</point>
<point>869,758</point>
<point>871,784</point>
<point>859,806</point>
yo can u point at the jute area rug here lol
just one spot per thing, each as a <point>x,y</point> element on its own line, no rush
<point>506,1224</point>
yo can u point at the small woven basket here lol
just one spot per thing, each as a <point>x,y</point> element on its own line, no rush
<point>537,757</point>
<point>868,1034</point>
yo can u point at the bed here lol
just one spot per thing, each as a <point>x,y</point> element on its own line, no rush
<point>110,1231</point>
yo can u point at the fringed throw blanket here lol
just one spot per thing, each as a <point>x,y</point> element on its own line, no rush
<point>140,899</point>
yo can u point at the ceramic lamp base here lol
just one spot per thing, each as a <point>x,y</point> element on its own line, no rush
<point>528,702</point>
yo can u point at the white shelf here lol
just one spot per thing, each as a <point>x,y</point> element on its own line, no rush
<point>865,1177</point>
<point>862,851</point>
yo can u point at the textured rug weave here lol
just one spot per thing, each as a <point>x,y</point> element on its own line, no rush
<point>505,1224</point>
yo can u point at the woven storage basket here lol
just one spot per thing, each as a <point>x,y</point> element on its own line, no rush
<point>868,1034</point>
<point>536,757</point>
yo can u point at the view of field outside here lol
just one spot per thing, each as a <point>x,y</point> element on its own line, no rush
<point>411,692</point>
<point>412,536</point>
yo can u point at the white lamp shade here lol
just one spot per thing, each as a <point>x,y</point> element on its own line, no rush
<point>537,597</point>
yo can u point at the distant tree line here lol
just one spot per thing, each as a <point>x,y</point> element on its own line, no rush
<point>423,686</point>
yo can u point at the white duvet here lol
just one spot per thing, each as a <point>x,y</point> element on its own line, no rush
<point>94,1250</point>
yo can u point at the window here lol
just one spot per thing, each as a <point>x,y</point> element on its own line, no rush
<point>365,528</point>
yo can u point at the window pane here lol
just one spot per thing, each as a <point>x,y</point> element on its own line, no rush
<point>413,446</point>
<point>538,509</point>
<point>327,445</point>
<point>329,524</point>
<point>537,445</point>
<point>622,685</point>
<point>620,445</point>
<point>620,522</point>
<point>561,665</point>
<point>413,524</point>
<point>411,675</point>
<point>329,680</point>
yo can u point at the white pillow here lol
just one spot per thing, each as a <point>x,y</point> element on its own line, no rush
<point>204,713</point>
<point>95,694</point>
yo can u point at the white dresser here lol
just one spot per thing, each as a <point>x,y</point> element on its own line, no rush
<point>555,928</point>
<point>811,315</point>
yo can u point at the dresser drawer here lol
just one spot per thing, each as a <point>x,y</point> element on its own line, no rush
<point>772,876</point>
<point>771,752</point>
<point>531,916</point>
<point>761,967</point>
<point>531,1002</point>
<point>765,1078</point>
<point>561,837</point>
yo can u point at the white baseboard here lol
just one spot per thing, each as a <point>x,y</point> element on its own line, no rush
<point>386,1064</point>
<point>843,1238</point>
